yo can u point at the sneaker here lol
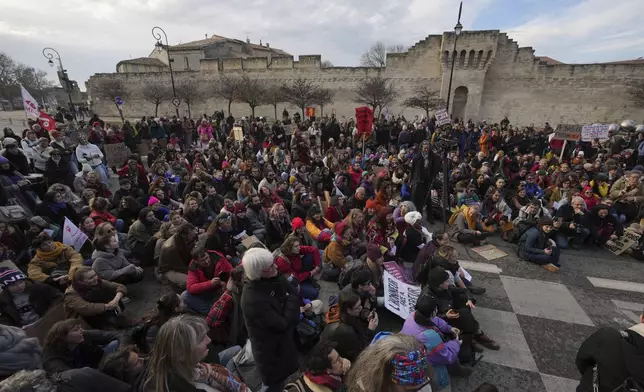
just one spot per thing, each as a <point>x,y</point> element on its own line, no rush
<point>486,341</point>
<point>551,267</point>
<point>477,290</point>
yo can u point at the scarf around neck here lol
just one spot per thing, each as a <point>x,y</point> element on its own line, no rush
<point>328,380</point>
<point>58,249</point>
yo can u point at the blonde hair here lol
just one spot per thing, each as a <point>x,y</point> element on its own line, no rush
<point>371,372</point>
<point>174,351</point>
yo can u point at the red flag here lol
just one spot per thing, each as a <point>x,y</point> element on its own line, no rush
<point>310,112</point>
<point>364,121</point>
<point>47,121</point>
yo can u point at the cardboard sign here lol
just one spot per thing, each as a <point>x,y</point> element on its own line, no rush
<point>310,112</point>
<point>364,120</point>
<point>489,252</point>
<point>624,242</point>
<point>238,133</point>
<point>571,132</point>
<point>595,131</point>
<point>400,297</point>
<point>73,236</point>
<point>442,117</point>
<point>116,154</point>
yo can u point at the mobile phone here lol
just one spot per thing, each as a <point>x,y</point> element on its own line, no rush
<point>224,276</point>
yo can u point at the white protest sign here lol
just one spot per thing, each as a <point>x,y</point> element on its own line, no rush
<point>73,236</point>
<point>442,117</point>
<point>400,297</point>
<point>624,242</point>
<point>595,131</point>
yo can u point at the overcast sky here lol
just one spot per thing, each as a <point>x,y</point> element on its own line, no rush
<point>93,35</point>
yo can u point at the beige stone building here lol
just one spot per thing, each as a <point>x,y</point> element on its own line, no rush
<point>493,78</point>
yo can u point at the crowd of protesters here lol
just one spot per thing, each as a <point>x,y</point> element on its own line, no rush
<point>241,227</point>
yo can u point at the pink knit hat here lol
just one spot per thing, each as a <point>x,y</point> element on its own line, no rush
<point>152,201</point>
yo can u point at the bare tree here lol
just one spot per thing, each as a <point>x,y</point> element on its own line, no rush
<point>251,91</point>
<point>375,92</point>
<point>424,98</point>
<point>190,91</point>
<point>376,56</point>
<point>227,88</point>
<point>326,64</point>
<point>110,89</point>
<point>274,95</point>
<point>156,93</point>
<point>7,77</point>
<point>13,74</point>
<point>636,90</point>
<point>323,97</point>
<point>300,93</point>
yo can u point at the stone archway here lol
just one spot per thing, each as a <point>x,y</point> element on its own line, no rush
<point>460,102</point>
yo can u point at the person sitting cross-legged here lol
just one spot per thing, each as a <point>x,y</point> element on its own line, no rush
<point>536,247</point>
<point>23,302</point>
<point>303,262</point>
<point>54,262</point>
<point>322,370</point>
<point>109,262</point>
<point>208,273</point>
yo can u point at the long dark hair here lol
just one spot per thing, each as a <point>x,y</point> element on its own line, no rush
<point>56,339</point>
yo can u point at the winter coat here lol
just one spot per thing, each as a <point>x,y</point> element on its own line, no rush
<point>619,190</point>
<point>258,219</point>
<point>57,217</point>
<point>44,263</point>
<point>350,335</point>
<point>532,242</point>
<point>199,278</point>
<point>111,266</point>
<point>174,257</point>
<point>86,354</point>
<point>336,253</point>
<point>617,354</point>
<point>102,217</point>
<point>75,305</point>
<point>271,308</point>
<point>41,296</point>
<point>292,265</point>
<point>17,351</point>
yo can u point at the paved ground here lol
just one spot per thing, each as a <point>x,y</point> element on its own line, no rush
<point>538,317</point>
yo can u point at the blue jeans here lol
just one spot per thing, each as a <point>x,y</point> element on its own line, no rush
<point>306,288</point>
<point>226,357</point>
<point>543,259</point>
<point>111,347</point>
<point>199,303</point>
<point>561,239</point>
<point>120,225</point>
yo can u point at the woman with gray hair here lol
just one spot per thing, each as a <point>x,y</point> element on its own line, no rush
<point>271,308</point>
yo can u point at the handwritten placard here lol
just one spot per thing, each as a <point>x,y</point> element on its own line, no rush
<point>595,131</point>
<point>116,154</point>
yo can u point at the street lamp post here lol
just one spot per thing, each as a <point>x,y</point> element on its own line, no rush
<point>49,55</point>
<point>457,31</point>
<point>156,33</point>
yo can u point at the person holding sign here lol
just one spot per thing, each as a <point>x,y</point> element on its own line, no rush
<point>54,262</point>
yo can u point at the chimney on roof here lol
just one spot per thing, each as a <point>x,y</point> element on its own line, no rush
<point>206,35</point>
<point>247,40</point>
<point>268,45</point>
<point>260,42</point>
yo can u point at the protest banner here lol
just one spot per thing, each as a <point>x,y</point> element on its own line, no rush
<point>489,252</point>
<point>364,121</point>
<point>310,112</point>
<point>73,236</point>
<point>116,154</point>
<point>400,296</point>
<point>595,131</point>
<point>442,117</point>
<point>238,133</point>
<point>570,132</point>
<point>624,242</point>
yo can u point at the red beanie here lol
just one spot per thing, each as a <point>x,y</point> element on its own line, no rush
<point>297,223</point>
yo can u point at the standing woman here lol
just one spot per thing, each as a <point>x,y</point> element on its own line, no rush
<point>271,307</point>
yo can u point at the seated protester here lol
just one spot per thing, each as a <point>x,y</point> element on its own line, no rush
<point>381,228</point>
<point>414,238</point>
<point>445,258</point>
<point>283,193</point>
<point>109,262</point>
<point>455,306</point>
<point>267,197</point>
<point>101,214</point>
<point>519,201</point>
<point>97,301</point>
<point>589,197</point>
<point>496,212</point>
<point>355,221</point>
<point>245,191</point>
<point>54,262</point>
<point>225,318</point>
<point>603,226</point>
<point>301,206</point>
<point>161,212</point>
<point>213,202</point>
<point>571,224</point>
<point>469,225</point>
<point>536,247</point>
<point>15,240</point>
<point>126,189</point>
<point>257,218</point>
<point>208,273</point>
<point>618,355</point>
<point>168,306</point>
<point>37,225</point>
<point>628,193</point>
<point>135,173</point>
<point>15,155</point>
<point>346,329</point>
<point>194,214</point>
<point>23,302</point>
<point>318,227</point>
<point>440,339</point>
<point>362,285</point>
<point>322,370</point>
<point>241,224</point>
<point>141,232</point>
<point>128,212</point>
<point>278,226</point>
<point>468,197</point>
<point>126,364</point>
<point>532,189</point>
<point>17,352</point>
<point>92,181</point>
<point>337,210</point>
<point>530,214</point>
<point>299,229</point>
<point>68,346</point>
<point>219,237</point>
<point>302,262</point>
<point>373,264</point>
<point>358,199</point>
<point>271,308</point>
<point>423,260</point>
<point>57,169</point>
<point>55,209</point>
<point>176,361</point>
<point>399,215</point>
<point>600,185</point>
<point>338,253</point>
<point>556,193</point>
<point>174,257</point>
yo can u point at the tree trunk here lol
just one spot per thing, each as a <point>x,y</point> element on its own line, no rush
<point>321,111</point>
<point>302,112</point>
<point>252,109</point>
<point>156,110</point>
<point>275,107</point>
<point>189,114</point>
<point>230,101</point>
<point>120,112</point>
<point>427,114</point>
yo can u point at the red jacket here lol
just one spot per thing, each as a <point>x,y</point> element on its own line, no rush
<point>141,174</point>
<point>197,281</point>
<point>293,264</point>
<point>100,217</point>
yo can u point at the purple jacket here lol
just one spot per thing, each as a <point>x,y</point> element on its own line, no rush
<point>438,352</point>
